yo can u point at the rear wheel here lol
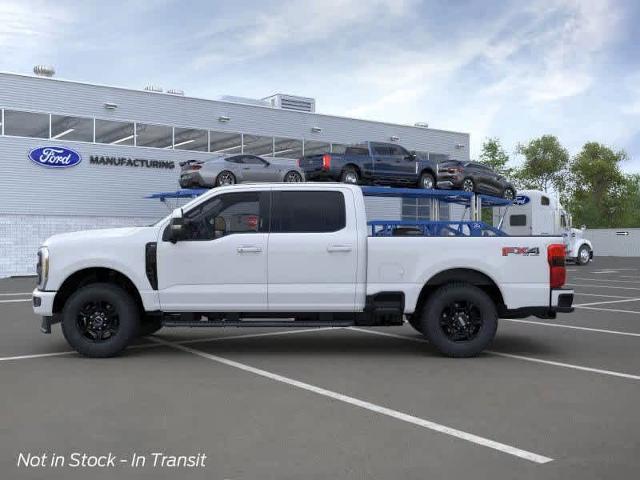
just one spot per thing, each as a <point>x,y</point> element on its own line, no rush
<point>460,320</point>
<point>293,177</point>
<point>350,175</point>
<point>508,193</point>
<point>584,255</point>
<point>468,185</point>
<point>427,181</point>
<point>225,178</point>
<point>100,319</point>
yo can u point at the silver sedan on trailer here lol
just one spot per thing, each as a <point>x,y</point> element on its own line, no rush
<point>227,170</point>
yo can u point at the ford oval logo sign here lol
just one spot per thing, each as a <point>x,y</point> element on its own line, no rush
<point>55,157</point>
<point>521,200</point>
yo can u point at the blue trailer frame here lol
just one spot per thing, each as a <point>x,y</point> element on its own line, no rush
<point>389,228</point>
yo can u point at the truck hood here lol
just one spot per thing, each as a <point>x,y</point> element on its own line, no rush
<point>98,236</point>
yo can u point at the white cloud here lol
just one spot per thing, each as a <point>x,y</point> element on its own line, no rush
<point>27,25</point>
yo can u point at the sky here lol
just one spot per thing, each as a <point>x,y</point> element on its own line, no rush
<point>508,69</point>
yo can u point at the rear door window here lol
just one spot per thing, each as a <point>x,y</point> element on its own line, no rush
<point>308,212</point>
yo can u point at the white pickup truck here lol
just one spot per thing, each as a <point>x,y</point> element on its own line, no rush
<point>290,255</point>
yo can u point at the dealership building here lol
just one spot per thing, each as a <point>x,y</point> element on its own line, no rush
<point>127,144</point>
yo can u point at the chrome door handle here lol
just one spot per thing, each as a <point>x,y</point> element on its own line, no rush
<point>249,249</point>
<point>338,248</point>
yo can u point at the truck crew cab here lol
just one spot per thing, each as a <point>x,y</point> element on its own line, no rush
<point>535,212</point>
<point>298,255</point>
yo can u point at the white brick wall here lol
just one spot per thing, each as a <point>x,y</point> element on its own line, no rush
<point>21,235</point>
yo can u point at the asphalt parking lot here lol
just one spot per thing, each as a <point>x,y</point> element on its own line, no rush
<point>552,399</point>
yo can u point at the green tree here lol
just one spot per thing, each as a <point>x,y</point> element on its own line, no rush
<point>494,156</point>
<point>601,195</point>
<point>545,164</point>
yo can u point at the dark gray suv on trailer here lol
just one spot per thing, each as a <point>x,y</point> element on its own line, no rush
<point>474,177</point>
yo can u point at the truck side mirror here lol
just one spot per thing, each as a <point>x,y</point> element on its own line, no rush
<point>177,226</point>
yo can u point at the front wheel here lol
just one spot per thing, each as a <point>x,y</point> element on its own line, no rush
<point>293,177</point>
<point>584,255</point>
<point>100,319</point>
<point>427,181</point>
<point>468,185</point>
<point>460,320</point>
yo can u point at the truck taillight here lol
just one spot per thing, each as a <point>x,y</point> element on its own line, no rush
<point>326,161</point>
<point>557,270</point>
<point>298,162</point>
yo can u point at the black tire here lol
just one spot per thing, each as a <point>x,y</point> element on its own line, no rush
<point>464,336</point>
<point>509,194</point>
<point>293,177</point>
<point>225,178</point>
<point>350,175</point>
<point>110,304</point>
<point>468,185</point>
<point>427,181</point>
<point>584,255</point>
<point>415,321</point>
<point>149,326</point>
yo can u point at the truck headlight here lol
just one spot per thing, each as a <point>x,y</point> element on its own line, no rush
<point>42,267</point>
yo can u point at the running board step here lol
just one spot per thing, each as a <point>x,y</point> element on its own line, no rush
<point>256,323</point>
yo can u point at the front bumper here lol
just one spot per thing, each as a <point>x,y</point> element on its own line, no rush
<point>560,301</point>
<point>42,302</point>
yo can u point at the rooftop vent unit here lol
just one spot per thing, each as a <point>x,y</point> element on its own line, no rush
<point>421,124</point>
<point>245,100</point>
<point>44,70</point>
<point>153,88</point>
<point>292,102</point>
<point>175,91</point>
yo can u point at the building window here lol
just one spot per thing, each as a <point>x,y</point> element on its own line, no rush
<point>225,142</point>
<point>287,148</point>
<point>157,136</point>
<point>71,128</point>
<point>190,139</point>
<point>312,147</point>
<point>338,148</point>
<point>257,145</point>
<point>114,133</point>
<point>26,124</point>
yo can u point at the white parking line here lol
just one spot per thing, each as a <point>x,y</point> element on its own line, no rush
<point>605,280</point>
<point>572,327</point>
<point>602,286</point>
<point>15,294</point>
<point>179,342</point>
<point>509,355</point>
<point>600,295</point>
<point>16,300</point>
<point>421,422</point>
<point>611,310</point>
<point>608,301</point>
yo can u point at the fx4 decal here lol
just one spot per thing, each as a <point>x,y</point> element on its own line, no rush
<point>525,251</point>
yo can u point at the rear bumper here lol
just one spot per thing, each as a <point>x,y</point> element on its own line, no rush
<point>320,175</point>
<point>191,179</point>
<point>560,301</point>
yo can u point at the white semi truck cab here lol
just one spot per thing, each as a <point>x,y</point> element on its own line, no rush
<point>288,255</point>
<point>535,212</point>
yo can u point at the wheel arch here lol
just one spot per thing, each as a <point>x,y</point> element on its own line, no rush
<point>430,171</point>
<point>463,275</point>
<point>87,276</point>
<point>352,165</point>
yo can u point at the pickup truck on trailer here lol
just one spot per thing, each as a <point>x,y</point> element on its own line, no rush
<point>290,255</point>
<point>372,162</point>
